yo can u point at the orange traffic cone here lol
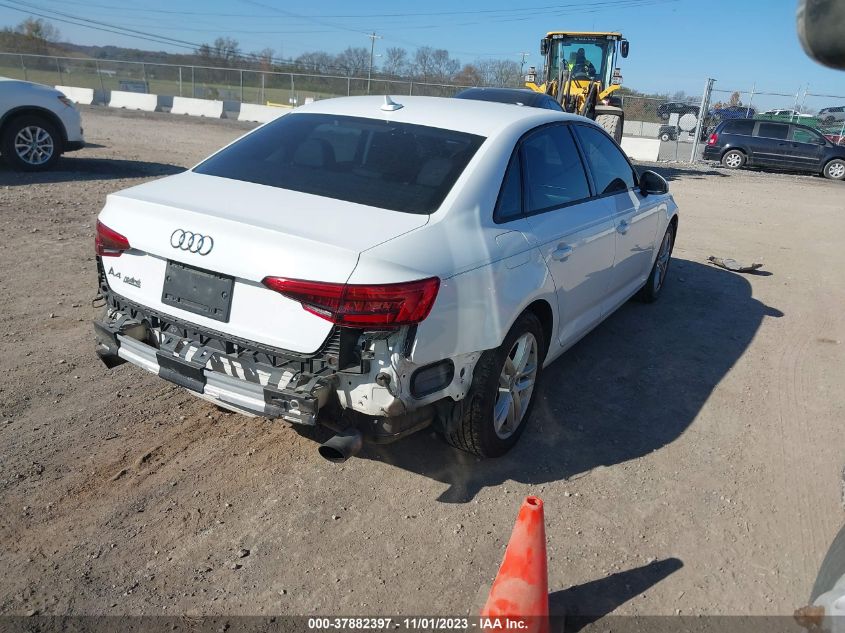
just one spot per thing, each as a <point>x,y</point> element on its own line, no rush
<point>521,589</point>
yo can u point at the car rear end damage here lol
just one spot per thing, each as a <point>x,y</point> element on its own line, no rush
<point>358,381</point>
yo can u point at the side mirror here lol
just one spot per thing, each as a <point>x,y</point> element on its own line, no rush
<point>624,48</point>
<point>653,183</point>
<point>544,47</point>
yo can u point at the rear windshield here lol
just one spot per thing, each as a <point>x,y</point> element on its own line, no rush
<point>396,166</point>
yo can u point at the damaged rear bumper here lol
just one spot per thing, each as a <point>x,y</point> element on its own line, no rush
<point>223,378</point>
<point>248,378</point>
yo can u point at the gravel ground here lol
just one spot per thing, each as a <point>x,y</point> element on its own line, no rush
<point>689,452</point>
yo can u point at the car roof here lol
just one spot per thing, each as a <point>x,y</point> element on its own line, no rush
<point>464,115</point>
<point>513,96</point>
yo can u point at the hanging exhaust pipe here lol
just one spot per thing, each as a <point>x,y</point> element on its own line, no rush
<point>342,446</point>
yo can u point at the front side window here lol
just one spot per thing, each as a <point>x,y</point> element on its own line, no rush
<point>554,174</point>
<point>396,166</point>
<point>802,135</point>
<point>772,130</point>
<point>611,171</point>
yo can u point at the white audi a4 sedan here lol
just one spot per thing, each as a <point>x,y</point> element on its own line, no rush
<point>378,266</point>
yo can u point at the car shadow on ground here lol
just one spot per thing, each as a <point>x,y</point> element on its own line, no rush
<point>581,605</point>
<point>71,169</point>
<point>630,387</point>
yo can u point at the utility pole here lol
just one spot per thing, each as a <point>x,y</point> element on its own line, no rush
<point>522,63</point>
<point>373,37</point>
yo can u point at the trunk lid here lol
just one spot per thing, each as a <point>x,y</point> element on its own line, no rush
<point>251,231</point>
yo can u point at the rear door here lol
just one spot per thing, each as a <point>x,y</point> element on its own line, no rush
<point>806,148</point>
<point>769,147</point>
<point>572,229</point>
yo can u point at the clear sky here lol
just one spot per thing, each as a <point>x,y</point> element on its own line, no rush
<point>675,44</point>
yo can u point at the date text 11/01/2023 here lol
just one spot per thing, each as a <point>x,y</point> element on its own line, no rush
<point>419,623</point>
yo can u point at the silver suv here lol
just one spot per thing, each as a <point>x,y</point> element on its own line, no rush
<point>37,125</point>
<point>829,115</point>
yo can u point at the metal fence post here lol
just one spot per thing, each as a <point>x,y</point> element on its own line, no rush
<point>348,86</point>
<point>59,70</point>
<point>263,81</point>
<point>702,112</point>
<point>242,85</point>
<point>180,81</point>
<point>100,76</point>
<point>193,83</point>
<point>144,75</point>
<point>24,69</point>
<point>410,88</point>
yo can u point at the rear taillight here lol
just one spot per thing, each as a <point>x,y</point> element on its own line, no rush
<point>108,242</point>
<point>713,138</point>
<point>362,306</point>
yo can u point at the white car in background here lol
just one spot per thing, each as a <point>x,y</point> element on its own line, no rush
<point>37,125</point>
<point>392,265</point>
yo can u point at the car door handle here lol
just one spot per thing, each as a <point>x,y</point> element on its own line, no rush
<point>562,252</point>
<point>623,227</point>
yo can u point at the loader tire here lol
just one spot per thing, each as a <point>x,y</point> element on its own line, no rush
<point>612,120</point>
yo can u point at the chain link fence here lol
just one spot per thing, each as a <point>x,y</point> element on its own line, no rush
<point>205,82</point>
<point>674,122</point>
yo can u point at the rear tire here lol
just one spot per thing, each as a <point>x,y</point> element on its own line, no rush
<point>733,159</point>
<point>835,169</point>
<point>612,120</point>
<point>490,424</point>
<point>31,143</point>
<point>664,137</point>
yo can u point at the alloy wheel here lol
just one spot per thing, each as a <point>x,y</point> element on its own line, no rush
<point>516,385</point>
<point>34,145</point>
<point>662,264</point>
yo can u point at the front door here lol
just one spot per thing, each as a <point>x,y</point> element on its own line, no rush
<point>635,217</point>
<point>805,149</point>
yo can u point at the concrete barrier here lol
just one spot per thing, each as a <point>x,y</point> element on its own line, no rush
<point>260,113</point>
<point>642,128</point>
<point>646,149</point>
<point>133,101</point>
<point>197,107</point>
<point>85,96</point>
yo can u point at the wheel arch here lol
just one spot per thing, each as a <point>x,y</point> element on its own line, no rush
<point>20,111</point>
<point>544,313</point>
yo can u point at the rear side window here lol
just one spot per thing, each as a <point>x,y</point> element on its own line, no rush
<point>396,166</point>
<point>739,127</point>
<point>772,130</point>
<point>509,205</point>
<point>554,174</point>
<point>611,171</point>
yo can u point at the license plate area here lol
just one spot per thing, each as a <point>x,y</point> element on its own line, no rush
<point>198,291</point>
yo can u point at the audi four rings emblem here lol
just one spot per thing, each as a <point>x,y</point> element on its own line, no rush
<point>191,242</point>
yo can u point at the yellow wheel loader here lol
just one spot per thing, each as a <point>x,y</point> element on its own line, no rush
<point>580,71</point>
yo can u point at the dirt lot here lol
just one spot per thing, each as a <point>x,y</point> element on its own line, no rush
<point>689,452</point>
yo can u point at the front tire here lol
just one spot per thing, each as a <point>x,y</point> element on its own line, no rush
<point>733,159</point>
<point>650,292</point>
<point>664,137</point>
<point>31,143</point>
<point>499,402</point>
<point>835,169</point>
<point>612,120</point>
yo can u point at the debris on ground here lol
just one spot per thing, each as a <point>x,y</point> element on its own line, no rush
<point>732,264</point>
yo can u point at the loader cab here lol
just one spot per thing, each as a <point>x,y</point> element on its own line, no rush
<point>589,56</point>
